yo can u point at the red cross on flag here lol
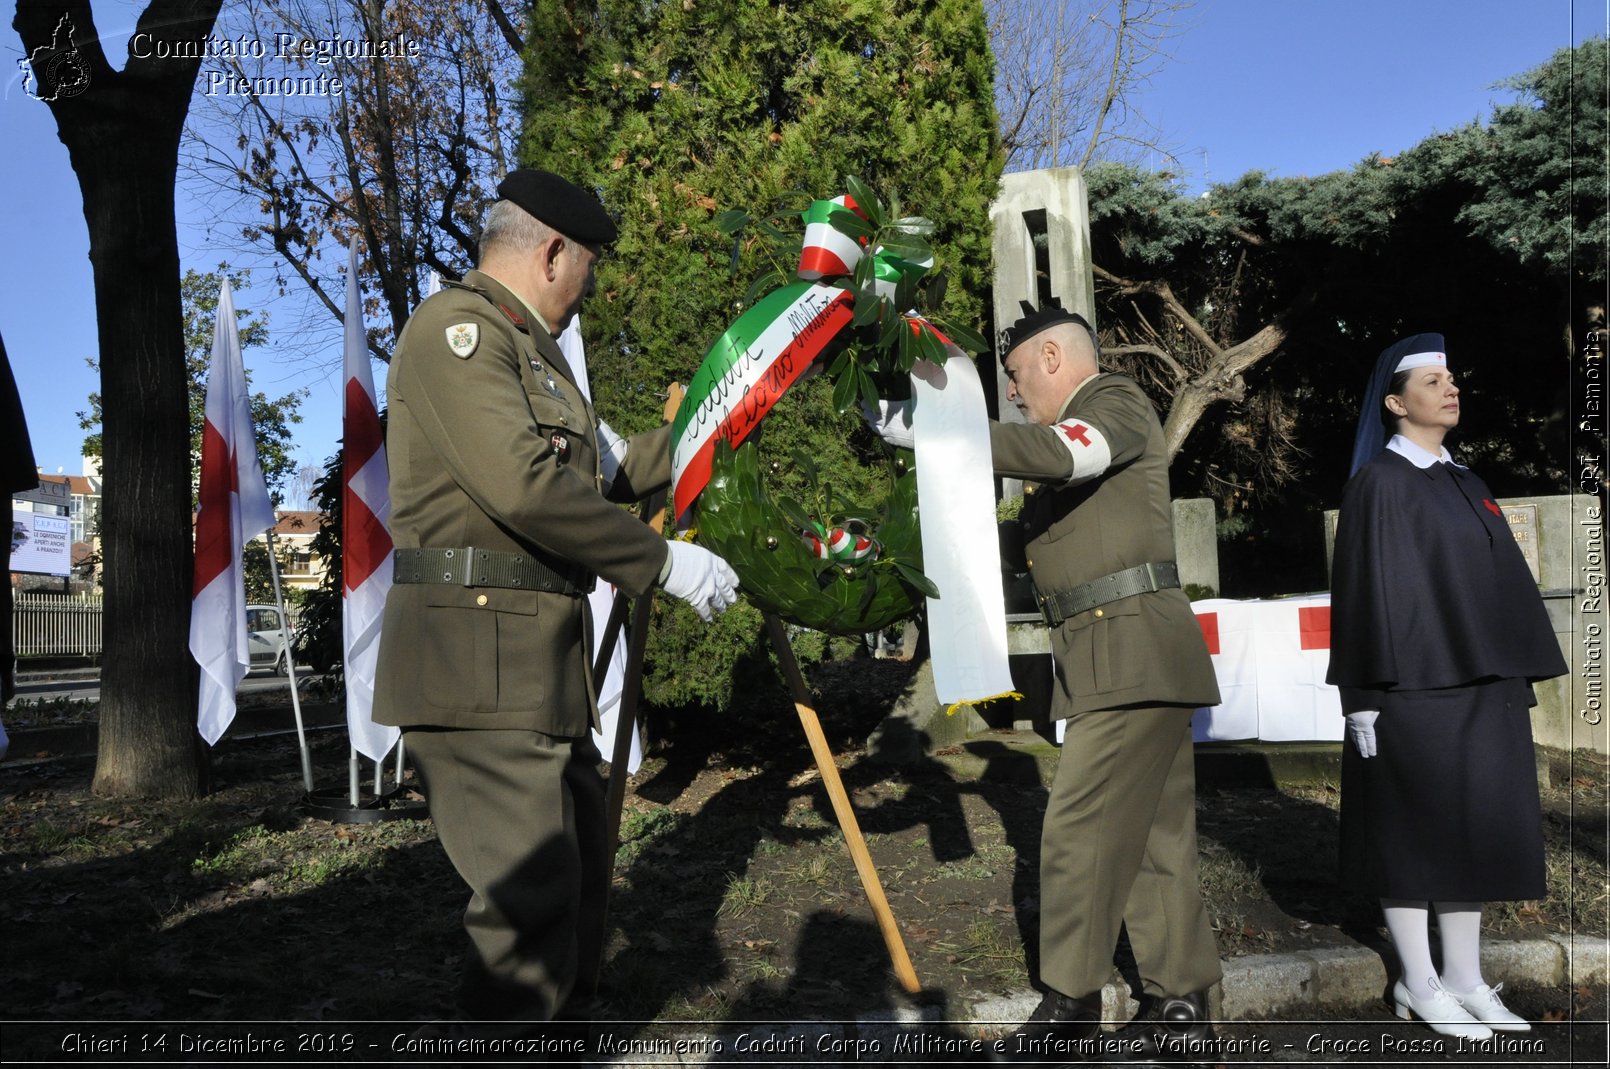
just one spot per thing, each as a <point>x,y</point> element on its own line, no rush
<point>234,508</point>
<point>365,539</point>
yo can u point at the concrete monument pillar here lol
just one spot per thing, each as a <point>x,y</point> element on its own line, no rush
<point>1042,249</point>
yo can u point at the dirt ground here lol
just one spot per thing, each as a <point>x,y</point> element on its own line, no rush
<point>734,898</point>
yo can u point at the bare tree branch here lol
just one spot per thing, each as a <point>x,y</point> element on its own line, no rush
<point>1219,374</point>
<point>1114,83</point>
<point>1160,289</point>
<point>1066,73</point>
<point>404,156</point>
<point>1155,352</point>
<point>511,33</point>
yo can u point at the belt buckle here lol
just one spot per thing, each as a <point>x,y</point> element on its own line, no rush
<point>467,575</point>
<point>1151,576</point>
<point>1048,609</point>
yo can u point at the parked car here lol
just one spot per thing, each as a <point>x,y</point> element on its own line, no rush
<point>265,637</point>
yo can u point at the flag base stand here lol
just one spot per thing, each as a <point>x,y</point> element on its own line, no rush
<point>334,804</point>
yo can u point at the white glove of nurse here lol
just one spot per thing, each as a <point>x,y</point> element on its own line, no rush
<point>891,421</point>
<point>699,577</point>
<point>1361,729</point>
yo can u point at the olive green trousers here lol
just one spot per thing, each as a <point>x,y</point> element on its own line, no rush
<point>1118,847</point>
<point>521,816</point>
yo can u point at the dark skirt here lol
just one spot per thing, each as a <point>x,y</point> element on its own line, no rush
<point>1448,808</point>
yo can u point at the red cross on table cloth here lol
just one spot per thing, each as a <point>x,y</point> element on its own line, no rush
<point>1313,628</point>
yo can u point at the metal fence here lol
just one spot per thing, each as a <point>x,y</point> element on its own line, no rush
<point>61,625</point>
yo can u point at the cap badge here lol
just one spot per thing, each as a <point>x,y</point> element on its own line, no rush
<point>462,338</point>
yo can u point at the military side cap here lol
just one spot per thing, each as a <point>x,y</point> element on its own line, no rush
<point>1035,320</point>
<point>566,207</point>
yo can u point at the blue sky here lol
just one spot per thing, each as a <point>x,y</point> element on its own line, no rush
<point>1290,87</point>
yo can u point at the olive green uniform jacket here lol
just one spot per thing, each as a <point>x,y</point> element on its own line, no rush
<point>1142,650</point>
<point>495,448</point>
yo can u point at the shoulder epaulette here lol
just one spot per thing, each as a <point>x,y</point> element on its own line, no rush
<point>514,317</point>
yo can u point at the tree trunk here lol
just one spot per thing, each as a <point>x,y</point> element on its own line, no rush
<point>1222,378</point>
<point>122,134</point>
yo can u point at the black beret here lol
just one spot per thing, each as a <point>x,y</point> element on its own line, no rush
<point>566,207</point>
<point>1035,320</point>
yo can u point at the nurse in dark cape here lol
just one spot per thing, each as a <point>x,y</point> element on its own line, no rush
<point>1438,632</point>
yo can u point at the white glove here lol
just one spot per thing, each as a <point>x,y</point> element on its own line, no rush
<point>611,453</point>
<point>699,577</point>
<point>1361,729</point>
<point>891,421</point>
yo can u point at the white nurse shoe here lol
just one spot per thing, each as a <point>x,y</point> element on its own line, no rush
<point>1442,1012</point>
<point>1485,1005</point>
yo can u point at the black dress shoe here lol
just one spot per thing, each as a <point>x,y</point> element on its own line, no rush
<point>1060,1030</point>
<point>1170,1028</point>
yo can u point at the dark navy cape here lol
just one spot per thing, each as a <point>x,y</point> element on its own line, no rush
<point>1429,588</point>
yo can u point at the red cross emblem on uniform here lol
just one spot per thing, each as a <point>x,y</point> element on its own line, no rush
<point>1078,432</point>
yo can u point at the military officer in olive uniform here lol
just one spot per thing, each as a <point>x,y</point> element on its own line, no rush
<point>1119,840</point>
<point>501,482</point>
<point>1118,844</point>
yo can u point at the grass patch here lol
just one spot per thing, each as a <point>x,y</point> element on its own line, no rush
<point>744,895</point>
<point>972,867</point>
<point>52,712</point>
<point>804,815</point>
<point>245,851</point>
<point>643,829</point>
<point>817,869</point>
<point>988,949</point>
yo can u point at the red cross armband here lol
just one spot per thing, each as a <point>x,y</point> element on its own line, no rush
<point>1086,446</point>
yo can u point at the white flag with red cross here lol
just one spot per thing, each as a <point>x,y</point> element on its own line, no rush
<point>365,538</point>
<point>234,508</point>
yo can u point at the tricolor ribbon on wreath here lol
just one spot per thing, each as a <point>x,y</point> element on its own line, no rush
<point>767,350</point>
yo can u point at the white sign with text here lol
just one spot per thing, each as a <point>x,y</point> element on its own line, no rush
<point>41,544</point>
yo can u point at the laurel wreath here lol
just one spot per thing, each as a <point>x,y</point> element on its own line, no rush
<point>768,538</point>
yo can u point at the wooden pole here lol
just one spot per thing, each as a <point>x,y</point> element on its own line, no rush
<point>842,808</point>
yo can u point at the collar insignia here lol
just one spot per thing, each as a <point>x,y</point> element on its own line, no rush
<point>547,377</point>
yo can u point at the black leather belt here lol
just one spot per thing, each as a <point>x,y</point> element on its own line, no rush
<point>1141,579</point>
<point>468,566</point>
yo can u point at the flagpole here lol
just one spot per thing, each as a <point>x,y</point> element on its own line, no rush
<point>290,665</point>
